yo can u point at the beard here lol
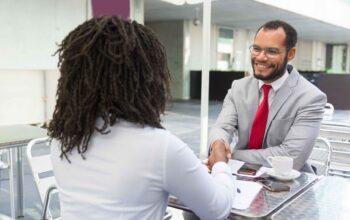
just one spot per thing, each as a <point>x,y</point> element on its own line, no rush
<point>276,73</point>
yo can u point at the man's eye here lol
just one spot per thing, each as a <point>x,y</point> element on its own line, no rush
<point>257,49</point>
<point>272,51</point>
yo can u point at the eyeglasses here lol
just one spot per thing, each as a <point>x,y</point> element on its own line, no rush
<point>270,52</point>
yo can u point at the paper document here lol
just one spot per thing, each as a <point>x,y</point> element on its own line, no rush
<point>236,164</point>
<point>247,192</point>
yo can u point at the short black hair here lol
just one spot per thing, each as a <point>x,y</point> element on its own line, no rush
<point>291,33</point>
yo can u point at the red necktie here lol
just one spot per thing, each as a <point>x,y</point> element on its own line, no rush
<point>260,120</point>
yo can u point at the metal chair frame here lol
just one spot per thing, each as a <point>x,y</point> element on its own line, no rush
<point>46,186</point>
<point>321,155</point>
<point>338,134</point>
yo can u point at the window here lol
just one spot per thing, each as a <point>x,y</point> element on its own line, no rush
<point>225,49</point>
<point>336,55</point>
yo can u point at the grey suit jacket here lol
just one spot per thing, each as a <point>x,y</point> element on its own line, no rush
<point>293,123</point>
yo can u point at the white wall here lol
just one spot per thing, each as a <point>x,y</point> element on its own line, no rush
<point>22,97</point>
<point>170,33</point>
<point>214,46</point>
<point>195,50</point>
<point>31,29</point>
<point>242,40</point>
<point>318,56</point>
<point>195,36</point>
<point>51,79</point>
<point>240,49</point>
<point>303,58</point>
<point>28,72</point>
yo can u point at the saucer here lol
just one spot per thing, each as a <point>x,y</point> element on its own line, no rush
<point>293,175</point>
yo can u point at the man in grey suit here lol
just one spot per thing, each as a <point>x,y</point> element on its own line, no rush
<point>293,106</point>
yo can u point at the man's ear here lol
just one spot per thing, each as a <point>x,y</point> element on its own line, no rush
<point>291,53</point>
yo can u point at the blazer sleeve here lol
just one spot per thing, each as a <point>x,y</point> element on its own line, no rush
<point>226,123</point>
<point>299,140</point>
<point>210,196</point>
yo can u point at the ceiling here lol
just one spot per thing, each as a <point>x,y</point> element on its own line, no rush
<point>248,14</point>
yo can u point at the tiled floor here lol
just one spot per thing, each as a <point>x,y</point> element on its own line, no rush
<point>182,118</point>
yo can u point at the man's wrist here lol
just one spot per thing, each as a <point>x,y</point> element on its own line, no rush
<point>219,150</point>
<point>216,143</point>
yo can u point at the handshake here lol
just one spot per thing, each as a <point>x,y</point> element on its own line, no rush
<point>219,151</point>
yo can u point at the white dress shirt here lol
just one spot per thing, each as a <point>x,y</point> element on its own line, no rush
<point>129,173</point>
<point>276,85</point>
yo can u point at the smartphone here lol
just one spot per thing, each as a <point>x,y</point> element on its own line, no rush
<point>248,169</point>
<point>274,186</point>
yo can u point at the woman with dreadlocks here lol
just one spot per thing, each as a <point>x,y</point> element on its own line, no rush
<point>111,156</point>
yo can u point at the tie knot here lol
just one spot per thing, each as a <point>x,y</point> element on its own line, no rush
<point>266,88</point>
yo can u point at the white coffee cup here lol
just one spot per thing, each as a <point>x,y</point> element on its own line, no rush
<point>282,165</point>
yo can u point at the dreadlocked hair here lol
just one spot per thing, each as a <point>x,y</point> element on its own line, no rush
<point>110,69</point>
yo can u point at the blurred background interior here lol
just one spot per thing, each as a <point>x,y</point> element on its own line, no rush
<point>31,29</point>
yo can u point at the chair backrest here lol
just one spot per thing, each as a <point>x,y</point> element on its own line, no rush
<point>340,161</point>
<point>338,134</point>
<point>335,125</point>
<point>321,156</point>
<point>38,154</point>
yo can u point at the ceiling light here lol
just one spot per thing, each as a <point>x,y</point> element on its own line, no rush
<point>182,2</point>
<point>175,2</point>
<point>193,2</point>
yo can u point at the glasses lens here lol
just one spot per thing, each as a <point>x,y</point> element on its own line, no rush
<point>272,51</point>
<point>269,52</point>
<point>255,50</point>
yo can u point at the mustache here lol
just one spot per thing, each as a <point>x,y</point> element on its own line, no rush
<point>270,65</point>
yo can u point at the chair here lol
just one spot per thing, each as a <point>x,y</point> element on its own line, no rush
<point>337,126</point>
<point>321,156</point>
<point>340,161</point>
<point>339,137</point>
<point>41,167</point>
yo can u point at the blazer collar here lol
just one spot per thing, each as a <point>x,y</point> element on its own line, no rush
<point>253,103</point>
<point>282,94</point>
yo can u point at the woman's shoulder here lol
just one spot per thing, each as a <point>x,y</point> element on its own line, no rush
<point>168,136</point>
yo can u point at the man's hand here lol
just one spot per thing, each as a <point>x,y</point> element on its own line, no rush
<point>220,151</point>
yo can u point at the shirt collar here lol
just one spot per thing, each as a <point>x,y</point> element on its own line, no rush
<point>276,85</point>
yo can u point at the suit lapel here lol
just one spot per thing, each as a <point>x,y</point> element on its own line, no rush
<point>252,102</point>
<point>281,96</point>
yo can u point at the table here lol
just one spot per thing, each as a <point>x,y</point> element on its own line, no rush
<point>266,202</point>
<point>11,138</point>
<point>327,199</point>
